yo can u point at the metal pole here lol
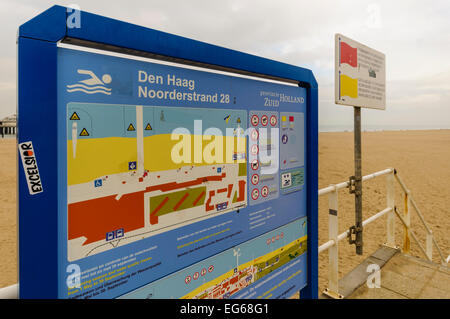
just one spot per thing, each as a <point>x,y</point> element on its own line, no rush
<point>333,252</point>
<point>358,182</point>
<point>390,201</point>
<point>407,225</point>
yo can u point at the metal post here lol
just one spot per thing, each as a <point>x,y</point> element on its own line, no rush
<point>332,234</point>
<point>407,218</point>
<point>358,182</point>
<point>333,252</point>
<point>390,202</point>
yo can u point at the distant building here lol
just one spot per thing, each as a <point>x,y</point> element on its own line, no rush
<point>8,125</point>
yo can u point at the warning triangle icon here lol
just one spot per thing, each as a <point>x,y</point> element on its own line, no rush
<point>84,132</point>
<point>131,127</point>
<point>148,127</point>
<point>75,116</point>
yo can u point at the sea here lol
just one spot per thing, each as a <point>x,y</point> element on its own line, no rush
<point>375,128</point>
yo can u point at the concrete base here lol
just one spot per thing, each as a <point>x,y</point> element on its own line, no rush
<point>358,276</point>
<point>408,277</point>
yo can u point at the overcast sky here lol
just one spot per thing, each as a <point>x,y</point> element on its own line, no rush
<point>414,35</point>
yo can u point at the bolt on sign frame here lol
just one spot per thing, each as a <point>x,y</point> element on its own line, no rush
<point>47,141</point>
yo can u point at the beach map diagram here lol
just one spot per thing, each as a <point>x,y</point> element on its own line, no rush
<point>235,272</point>
<point>123,185</point>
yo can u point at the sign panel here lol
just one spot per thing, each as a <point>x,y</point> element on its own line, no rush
<point>162,180</point>
<point>360,74</point>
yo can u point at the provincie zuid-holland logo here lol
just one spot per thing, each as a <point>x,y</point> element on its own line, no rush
<point>92,84</point>
<point>30,167</point>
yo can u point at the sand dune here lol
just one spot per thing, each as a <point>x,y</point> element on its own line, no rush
<point>422,158</point>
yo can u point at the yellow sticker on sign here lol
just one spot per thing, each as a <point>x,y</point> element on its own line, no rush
<point>131,127</point>
<point>148,127</point>
<point>349,86</point>
<point>84,132</point>
<point>75,116</point>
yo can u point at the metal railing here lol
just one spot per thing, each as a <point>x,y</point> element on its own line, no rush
<point>11,292</point>
<point>391,211</point>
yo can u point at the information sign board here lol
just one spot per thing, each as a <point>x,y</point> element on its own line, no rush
<point>149,170</point>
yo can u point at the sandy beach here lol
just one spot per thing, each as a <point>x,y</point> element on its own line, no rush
<point>8,220</point>
<point>421,158</point>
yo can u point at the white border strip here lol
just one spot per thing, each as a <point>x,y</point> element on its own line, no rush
<point>179,65</point>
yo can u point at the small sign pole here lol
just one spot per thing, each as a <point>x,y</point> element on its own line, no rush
<point>360,81</point>
<point>358,182</point>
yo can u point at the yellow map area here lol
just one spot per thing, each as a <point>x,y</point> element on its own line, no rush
<point>230,273</point>
<point>97,157</point>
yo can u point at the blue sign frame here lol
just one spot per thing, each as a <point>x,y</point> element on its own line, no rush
<point>37,100</point>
